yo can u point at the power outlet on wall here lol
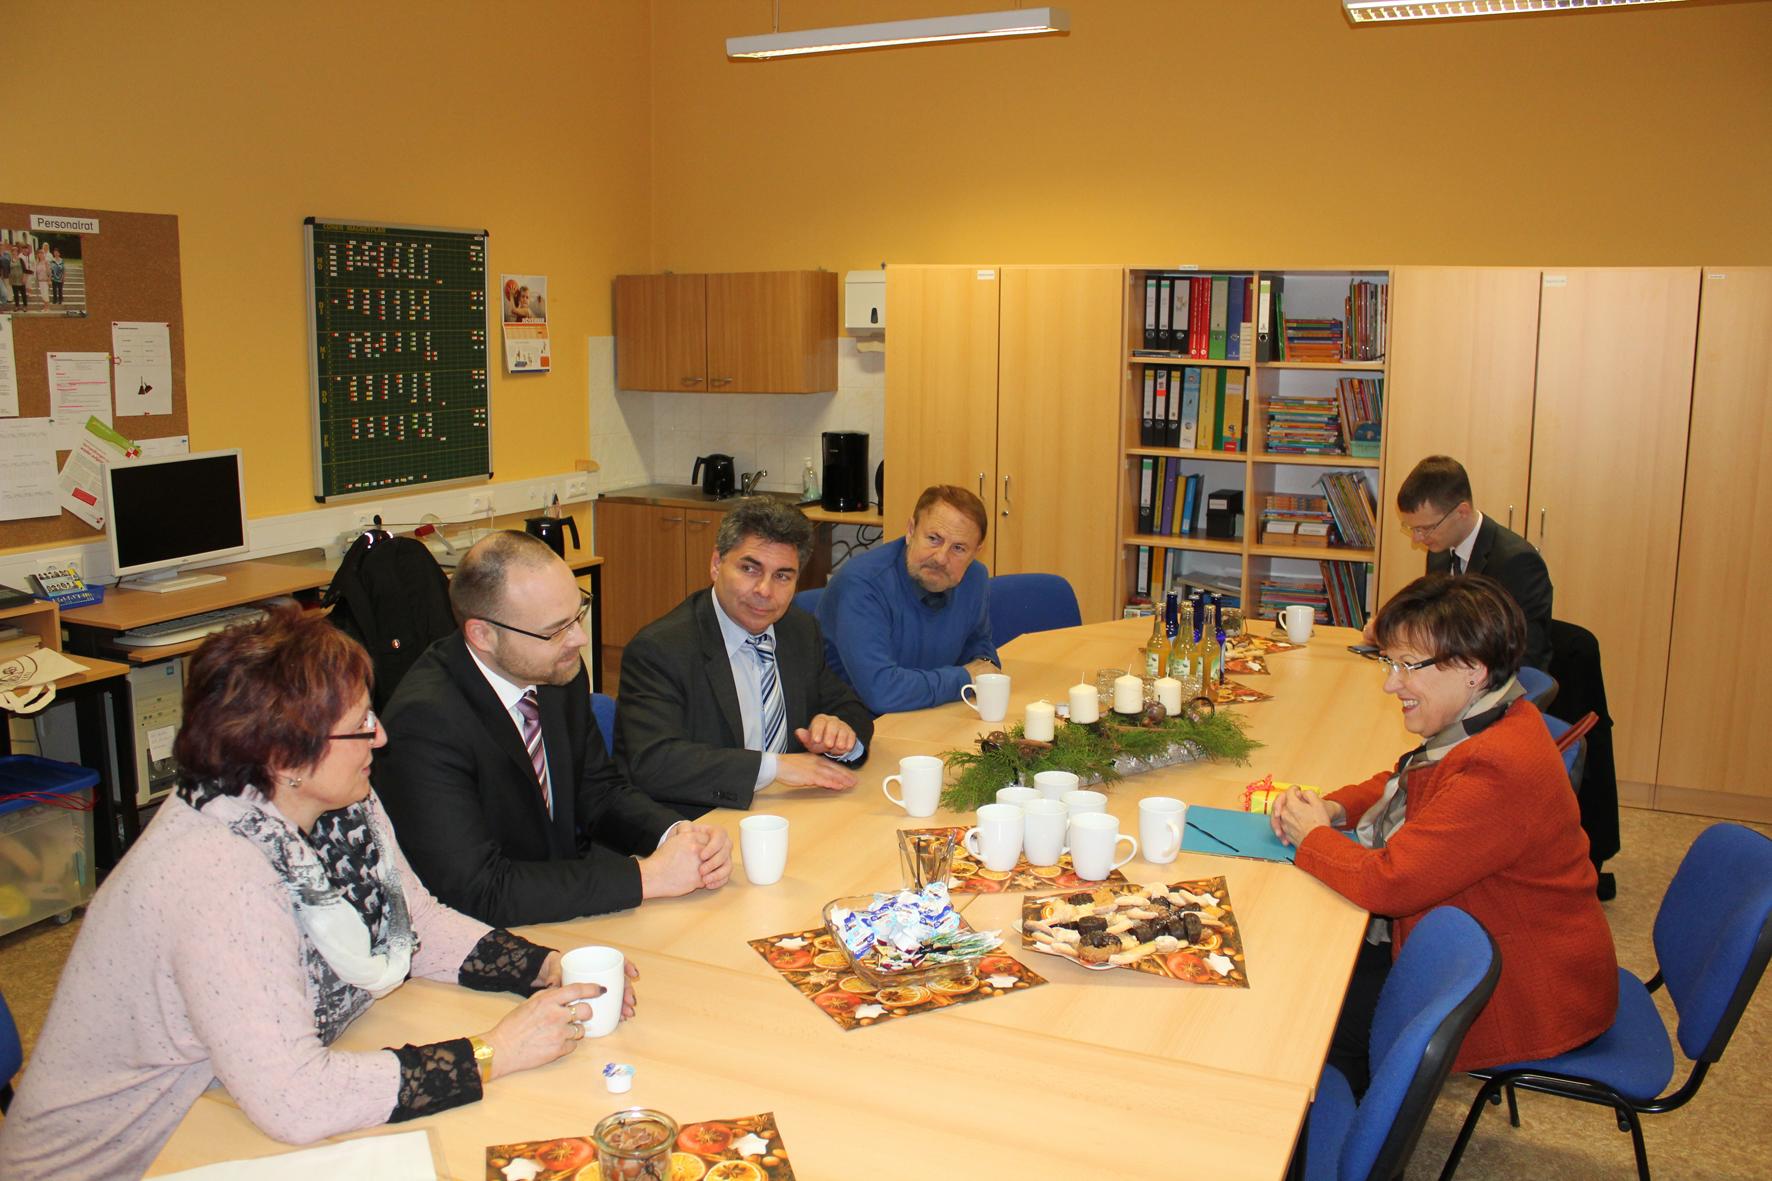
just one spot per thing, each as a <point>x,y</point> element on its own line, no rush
<point>481,505</point>
<point>578,488</point>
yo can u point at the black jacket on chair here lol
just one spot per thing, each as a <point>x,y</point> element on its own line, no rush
<point>679,732</point>
<point>1510,560</point>
<point>462,793</point>
<point>1575,663</point>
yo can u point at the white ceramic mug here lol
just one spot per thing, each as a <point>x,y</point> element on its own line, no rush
<point>1053,784</point>
<point>1159,827</point>
<point>1094,838</point>
<point>1016,794</point>
<point>919,779</point>
<point>1044,823</point>
<point>1297,620</point>
<point>1083,801</point>
<point>763,840</point>
<point>597,965</point>
<point>996,840</point>
<point>990,696</point>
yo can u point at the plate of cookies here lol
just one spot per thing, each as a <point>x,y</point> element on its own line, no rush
<point>1184,931</point>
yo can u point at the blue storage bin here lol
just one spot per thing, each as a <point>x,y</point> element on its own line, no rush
<point>46,852</point>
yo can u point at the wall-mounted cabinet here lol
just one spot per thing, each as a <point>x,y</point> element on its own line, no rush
<point>760,332</point>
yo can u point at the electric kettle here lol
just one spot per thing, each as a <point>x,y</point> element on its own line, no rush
<point>719,480</point>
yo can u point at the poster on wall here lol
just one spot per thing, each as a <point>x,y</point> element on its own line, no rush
<point>525,301</point>
<point>42,272</point>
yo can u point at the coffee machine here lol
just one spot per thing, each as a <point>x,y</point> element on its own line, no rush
<point>845,471</point>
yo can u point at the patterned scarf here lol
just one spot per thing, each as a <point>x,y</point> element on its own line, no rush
<point>342,890</point>
<point>1382,820</point>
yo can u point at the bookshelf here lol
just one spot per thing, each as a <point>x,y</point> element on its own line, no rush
<point>1247,563</point>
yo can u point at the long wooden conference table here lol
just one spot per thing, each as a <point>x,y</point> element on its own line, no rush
<point>1094,1074</point>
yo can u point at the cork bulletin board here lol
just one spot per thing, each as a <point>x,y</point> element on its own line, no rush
<point>129,270</point>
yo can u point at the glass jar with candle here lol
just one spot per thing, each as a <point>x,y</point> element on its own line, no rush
<point>1104,685</point>
<point>635,1143</point>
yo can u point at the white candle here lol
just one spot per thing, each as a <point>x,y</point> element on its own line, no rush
<point>1085,703</point>
<point>1169,693</point>
<point>1128,694</point>
<point>1039,719</point>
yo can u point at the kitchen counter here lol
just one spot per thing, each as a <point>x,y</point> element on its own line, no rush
<point>691,496</point>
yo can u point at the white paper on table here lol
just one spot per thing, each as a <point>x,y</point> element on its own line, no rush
<point>79,388</point>
<point>165,445</point>
<point>395,1156</point>
<point>143,353</point>
<point>8,371</point>
<point>27,470</point>
<point>82,481</point>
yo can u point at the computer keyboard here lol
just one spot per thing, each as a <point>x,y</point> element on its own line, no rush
<point>188,627</point>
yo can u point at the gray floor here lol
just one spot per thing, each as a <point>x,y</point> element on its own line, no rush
<point>1724,1135</point>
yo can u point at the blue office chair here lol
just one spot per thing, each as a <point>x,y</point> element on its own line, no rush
<point>1540,686</point>
<point>1713,936</point>
<point>807,600</point>
<point>12,1054</point>
<point>603,710</point>
<point>1442,979</point>
<point>1023,603</point>
<point>1575,758</point>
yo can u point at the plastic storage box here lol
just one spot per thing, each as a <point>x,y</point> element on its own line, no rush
<point>46,865</point>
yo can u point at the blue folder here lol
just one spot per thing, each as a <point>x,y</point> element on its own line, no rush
<point>1232,834</point>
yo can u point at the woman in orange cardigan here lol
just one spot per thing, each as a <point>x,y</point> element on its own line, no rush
<point>1479,816</point>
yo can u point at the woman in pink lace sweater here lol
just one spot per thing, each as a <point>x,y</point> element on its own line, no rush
<point>265,908</point>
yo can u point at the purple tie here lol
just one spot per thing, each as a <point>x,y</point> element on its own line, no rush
<point>538,758</point>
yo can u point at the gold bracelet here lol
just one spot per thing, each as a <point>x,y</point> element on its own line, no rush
<point>482,1057</point>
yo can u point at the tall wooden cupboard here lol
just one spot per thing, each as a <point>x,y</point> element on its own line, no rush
<point>1609,395</point>
<point>1715,744</point>
<point>1005,381</point>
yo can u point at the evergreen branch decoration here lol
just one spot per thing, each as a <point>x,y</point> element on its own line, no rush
<point>1088,751</point>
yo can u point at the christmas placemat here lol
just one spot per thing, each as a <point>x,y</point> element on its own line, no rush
<point>1252,665</point>
<point>1181,931</point>
<point>1236,693</point>
<point>744,1148</point>
<point>967,876</point>
<point>812,962</point>
<point>1250,644</point>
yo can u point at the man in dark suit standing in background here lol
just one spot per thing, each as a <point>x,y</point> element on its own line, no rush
<point>729,692</point>
<point>1434,505</point>
<point>502,794</point>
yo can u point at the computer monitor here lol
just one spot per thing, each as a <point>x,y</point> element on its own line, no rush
<point>173,511</point>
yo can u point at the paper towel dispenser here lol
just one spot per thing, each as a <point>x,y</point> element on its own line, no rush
<point>864,301</point>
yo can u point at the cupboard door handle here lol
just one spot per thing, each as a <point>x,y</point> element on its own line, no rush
<point>694,524</point>
<point>691,381</point>
<point>1005,496</point>
<point>1510,516</point>
<point>721,381</point>
<point>672,520</point>
<point>1541,515</point>
<point>981,485</point>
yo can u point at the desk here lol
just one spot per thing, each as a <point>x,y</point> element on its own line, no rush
<point>1020,1086</point>
<point>89,633</point>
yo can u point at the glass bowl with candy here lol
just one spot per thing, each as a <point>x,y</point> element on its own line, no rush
<point>908,937</point>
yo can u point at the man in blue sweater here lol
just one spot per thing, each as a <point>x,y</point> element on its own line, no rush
<point>908,624</point>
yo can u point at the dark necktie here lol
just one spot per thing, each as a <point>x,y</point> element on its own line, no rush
<point>530,708</point>
<point>769,692</point>
<point>1457,565</point>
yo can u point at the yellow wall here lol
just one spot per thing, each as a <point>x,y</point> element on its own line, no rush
<point>530,121</point>
<point>1218,131</point>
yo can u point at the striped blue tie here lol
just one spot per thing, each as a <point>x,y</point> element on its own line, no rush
<point>769,690</point>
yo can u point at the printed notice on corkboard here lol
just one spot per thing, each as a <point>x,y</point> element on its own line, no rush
<point>70,278</point>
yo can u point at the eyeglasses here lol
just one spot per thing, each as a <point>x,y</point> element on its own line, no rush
<point>370,724</point>
<point>1424,530</point>
<point>1396,668</point>
<point>584,609</point>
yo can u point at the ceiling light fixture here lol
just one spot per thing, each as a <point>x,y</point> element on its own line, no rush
<point>1372,11</point>
<point>1020,22</point>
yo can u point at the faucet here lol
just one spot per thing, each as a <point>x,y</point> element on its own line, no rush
<point>749,480</point>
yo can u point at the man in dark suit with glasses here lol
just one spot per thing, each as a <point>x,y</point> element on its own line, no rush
<point>501,790</point>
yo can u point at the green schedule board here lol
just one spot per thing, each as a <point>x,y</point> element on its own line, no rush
<point>398,351</point>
